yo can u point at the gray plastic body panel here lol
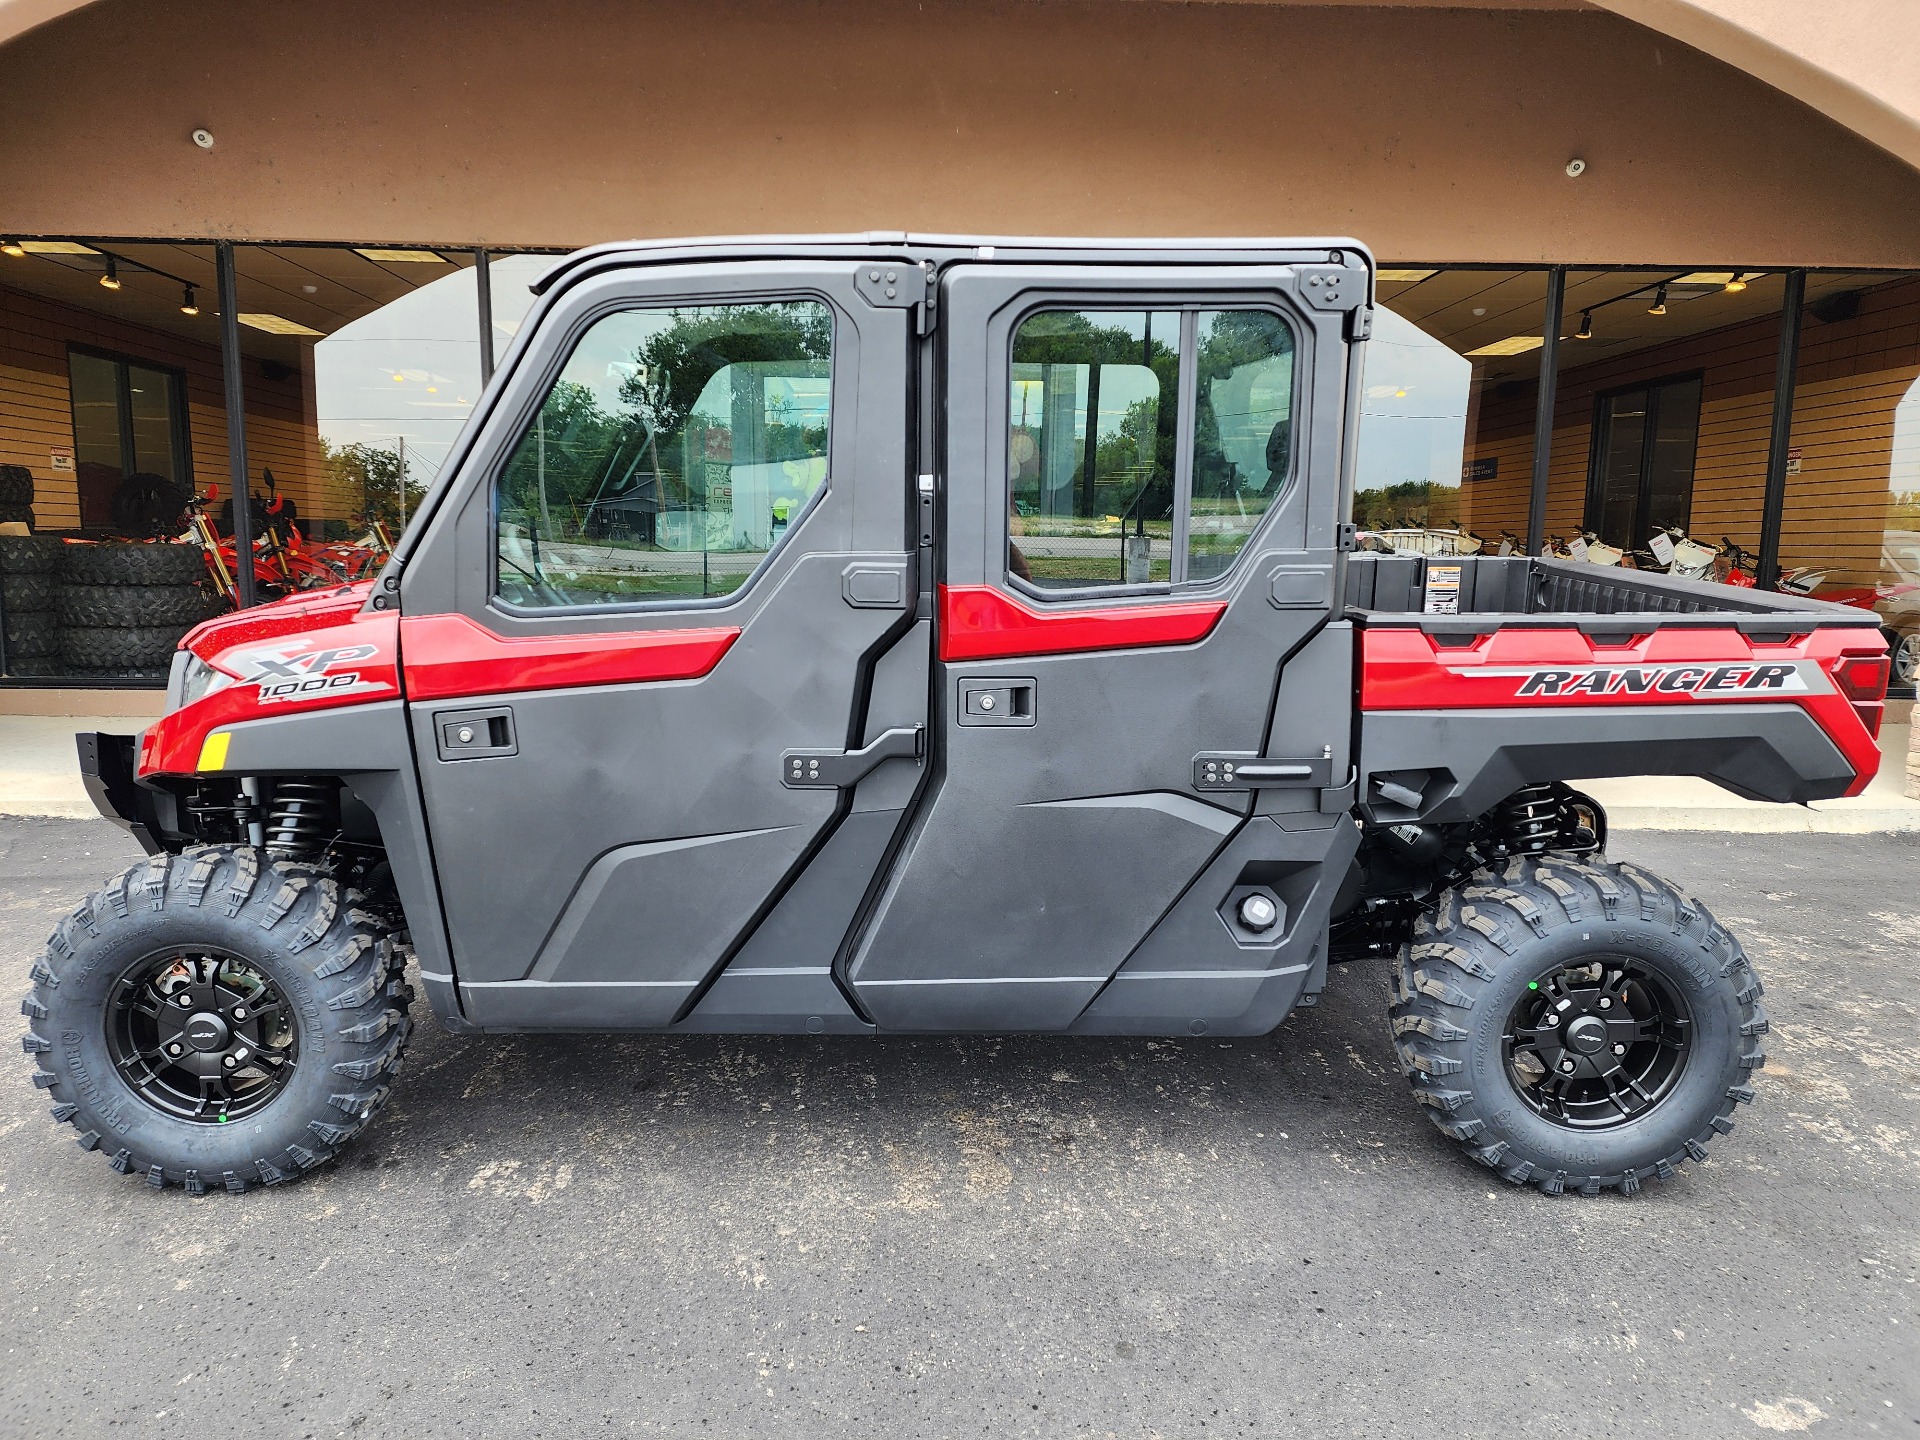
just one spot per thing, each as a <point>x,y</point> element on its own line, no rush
<point>1463,762</point>
<point>1199,974</point>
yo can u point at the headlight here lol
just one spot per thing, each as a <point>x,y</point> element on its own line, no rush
<point>192,679</point>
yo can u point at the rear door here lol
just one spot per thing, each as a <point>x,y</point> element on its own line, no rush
<point>1140,495</point>
<point>678,551</point>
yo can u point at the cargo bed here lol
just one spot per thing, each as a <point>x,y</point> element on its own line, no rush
<point>1524,670</point>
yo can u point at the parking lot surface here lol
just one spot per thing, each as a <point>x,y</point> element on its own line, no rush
<point>550,1236</point>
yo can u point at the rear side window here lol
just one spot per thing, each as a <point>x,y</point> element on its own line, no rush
<point>1144,446</point>
<point>1091,451</point>
<point>671,456</point>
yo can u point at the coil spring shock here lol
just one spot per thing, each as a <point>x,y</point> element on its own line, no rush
<point>301,819</point>
<point>1529,820</point>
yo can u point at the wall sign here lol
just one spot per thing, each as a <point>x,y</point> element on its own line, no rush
<point>1481,469</point>
<point>60,457</point>
<point>1793,461</point>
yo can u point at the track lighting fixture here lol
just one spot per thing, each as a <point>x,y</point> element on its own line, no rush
<point>1659,306</point>
<point>110,280</point>
<point>1585,332</point>
<point>13,248</point>
<point>189,303</point>
<point>1737,283</point>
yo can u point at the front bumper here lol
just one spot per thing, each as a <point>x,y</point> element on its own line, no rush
<point>106,769</point>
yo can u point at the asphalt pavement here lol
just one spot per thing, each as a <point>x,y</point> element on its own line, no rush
<point>743,1237</point>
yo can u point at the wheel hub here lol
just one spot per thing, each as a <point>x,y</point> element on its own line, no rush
<point>201,1035</point>
<point>207,1031</point>
<point>1596,1045</point>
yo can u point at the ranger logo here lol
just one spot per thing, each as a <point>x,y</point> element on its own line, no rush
<point>1742,680</point>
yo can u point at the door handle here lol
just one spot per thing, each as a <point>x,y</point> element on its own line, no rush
<point>474,734</point>
<point>832,769</point>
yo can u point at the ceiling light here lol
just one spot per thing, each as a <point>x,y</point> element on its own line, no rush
<point>403,257</point>
<point>1659,305</point>
<point>1512,345</point>
<point>1585,332</point>
<point>275,324</point>
<point>1737,283</point>
<point>57,247</point>
<point>1406,276</point>
<point>110,280</point>
<point>1704,277</point>
<point>189,305</point>
<point>13,248</point>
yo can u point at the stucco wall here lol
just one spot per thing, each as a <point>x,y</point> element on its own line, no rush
<point>1435,134</point>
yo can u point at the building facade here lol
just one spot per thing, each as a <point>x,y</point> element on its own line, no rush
<point>1690,223</point>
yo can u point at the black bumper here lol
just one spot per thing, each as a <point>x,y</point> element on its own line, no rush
<point>106,769</point>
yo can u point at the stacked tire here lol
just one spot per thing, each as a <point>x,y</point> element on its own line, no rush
<point>16,495</point>
<point>123,608</point>
<point>29,595</point>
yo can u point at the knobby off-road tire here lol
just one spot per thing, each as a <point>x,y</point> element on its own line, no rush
<point>128,605</point>
<point>28,592</point>
<point>31,554</point>
<point>158,563</point>
<point>1462,998</point>
<point>340,1026</point>
<point>32,632</point>
<point>109,648</point>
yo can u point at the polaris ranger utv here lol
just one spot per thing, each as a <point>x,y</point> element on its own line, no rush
<point>897,634</point>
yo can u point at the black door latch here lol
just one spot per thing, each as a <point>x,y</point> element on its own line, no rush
<point>832,769</point>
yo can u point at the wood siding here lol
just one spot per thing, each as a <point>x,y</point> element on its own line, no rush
<point>35,415</point>
<point>1852,376</point>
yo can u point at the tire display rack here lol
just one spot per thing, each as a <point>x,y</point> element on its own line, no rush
<point>92,613</point>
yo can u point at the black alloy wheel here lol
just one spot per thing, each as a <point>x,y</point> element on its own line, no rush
<point>1596,1045</point>
<point>202,1035</point>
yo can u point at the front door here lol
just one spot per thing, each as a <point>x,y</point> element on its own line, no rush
<point>1140,494</point>
<point>679,549</point>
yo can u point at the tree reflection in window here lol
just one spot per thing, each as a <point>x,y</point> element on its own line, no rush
<point>674,451</point>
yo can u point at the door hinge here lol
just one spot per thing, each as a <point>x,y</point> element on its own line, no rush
<point>833,769</point>
<point>924,503</point>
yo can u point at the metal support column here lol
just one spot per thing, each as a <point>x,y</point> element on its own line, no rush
<point>230,363</point>
<point>1768,567</point>
<point>1543,410</point>
<point>483,287</point>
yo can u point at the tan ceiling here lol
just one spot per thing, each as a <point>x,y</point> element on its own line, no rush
<point>1852,60</point>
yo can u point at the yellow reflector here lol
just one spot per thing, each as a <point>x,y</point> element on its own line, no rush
<point>213,751</point>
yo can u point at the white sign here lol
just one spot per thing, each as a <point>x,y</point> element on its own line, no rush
<point>60,457</point>
<point>1662,547</point>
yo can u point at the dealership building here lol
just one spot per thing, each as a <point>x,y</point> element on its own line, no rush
<point>1644,265</point>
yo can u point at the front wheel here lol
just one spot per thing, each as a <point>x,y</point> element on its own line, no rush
<point>1576,1024</point>
<point>217,1019</point>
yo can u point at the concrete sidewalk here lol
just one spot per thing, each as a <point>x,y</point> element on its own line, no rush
<point>38,776</point>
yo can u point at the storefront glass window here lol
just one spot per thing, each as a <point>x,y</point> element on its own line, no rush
<point>1446,422</point>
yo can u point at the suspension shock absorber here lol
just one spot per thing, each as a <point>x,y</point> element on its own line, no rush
<point>1528,821</point>
<point>1548,817</point>
<point>302,817</point>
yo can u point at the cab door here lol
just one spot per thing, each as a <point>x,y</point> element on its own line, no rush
<point>1140,496</point>
<point>675,553</point>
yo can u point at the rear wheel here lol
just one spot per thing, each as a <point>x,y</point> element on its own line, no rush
<point>217,1019</point>
<point>1577,1025</point>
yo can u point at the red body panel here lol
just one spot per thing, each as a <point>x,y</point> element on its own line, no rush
<point>307,652</point>
<point>978,622</point>
<point>448,656</point>
<point>1404,668</point>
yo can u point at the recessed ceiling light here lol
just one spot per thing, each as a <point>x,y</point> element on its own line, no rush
<point>403,257</point>
<point>275,324</point>
<point>1512,345</point>
<point>1408,276</point>
<point>57,247</point>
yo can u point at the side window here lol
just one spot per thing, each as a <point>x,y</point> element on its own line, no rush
<point>1105,469</point>
<point>1090,453</point>
<point>671,455</point>
<point>1243,432</point>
